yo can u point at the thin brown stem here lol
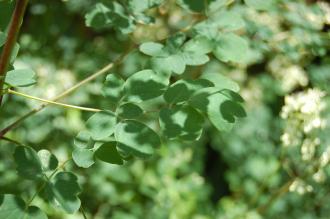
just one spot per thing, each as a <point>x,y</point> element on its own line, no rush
<point>283,190</point>
<point>63,94</point>
<point>13,30</point>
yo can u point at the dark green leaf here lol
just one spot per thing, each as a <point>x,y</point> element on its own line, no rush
<point>113,87</point>
<point>64,189</point>
<point>136,138</point>
<point>129,111</point>
<point>219,108</point>
<point>144,85</point>
<point>28,163</point>
<point>109,154</point>
<point>182,90</point>
<point>181,122</point>
<point>13,207</point>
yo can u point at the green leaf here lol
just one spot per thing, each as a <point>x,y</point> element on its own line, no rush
<point>176,63</point>
<point>182,90</point>
<point>113,87</point>
<point>28,163</point>
<point>220,109</point>
<point>98,17</point>
<point>228,20</point>
<point>84,140</point>
<point>181,122</point>
<point>101,125</point>
<point>110,14</point>
<point>261,4</point>
<point>199,45</point>
<point>20,78</point>
<point>195,59</point>
<point>3,38</point>
<point>153,49</point>
<point>174,42</point>
<point>14,53</point>
<point>13,207</point>
<point>230,47</point>
<point>129,111</point>
<point>192,5</point>
<point>136,138</point>
<point>108,153</point>
<point>144,85</point>
<point>232,95</point>
<point>83,157</point>
<point>64,189</point>
<point>220,81</point>
<point>48,160</point>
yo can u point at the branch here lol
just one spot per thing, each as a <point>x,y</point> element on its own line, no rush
<point>60,96</point>
<point>14,27</point>
<point>283,190</point>
<point>53,102</point>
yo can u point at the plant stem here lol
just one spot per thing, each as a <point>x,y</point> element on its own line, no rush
<point>53,102</point>
<point>45,182</point>
<point>14,27</point>
<point>284,189</point>
<point>65,93</point>
<point>12,141</point>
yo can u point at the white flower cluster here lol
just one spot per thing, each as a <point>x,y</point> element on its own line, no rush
<point>302,113</point>
<point>325,7</point>
<point>300,187</point>
<point>291,76</point>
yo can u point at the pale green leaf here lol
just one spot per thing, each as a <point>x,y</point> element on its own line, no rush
<point>231,47</point>
<point>199,45</point>
<point>261,4</point>
<point>101,125</point>
<point>220,81</point>
<point>153,49</point>
<point>20,78</point>
<point>48,160</point>
<point>83,157</point>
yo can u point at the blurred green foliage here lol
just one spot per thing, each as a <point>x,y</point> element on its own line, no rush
<point>283,49</point>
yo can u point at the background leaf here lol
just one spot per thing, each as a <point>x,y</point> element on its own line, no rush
<point>13,207</point>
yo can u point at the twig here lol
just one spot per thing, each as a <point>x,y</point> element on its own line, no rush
<point>14,27</point>
<point>65,93</point>
<point>284,189</point>
<point>53,102</point>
